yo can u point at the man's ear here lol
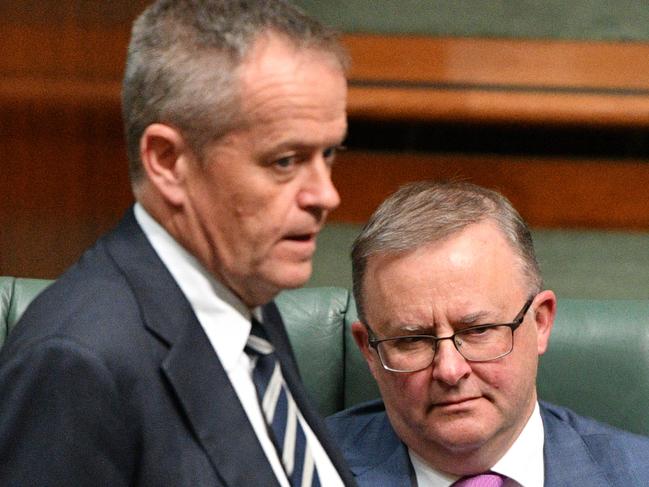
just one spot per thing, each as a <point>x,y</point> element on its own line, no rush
<point>360,334</point>
<point>163,153</point>
<point>544,312</point>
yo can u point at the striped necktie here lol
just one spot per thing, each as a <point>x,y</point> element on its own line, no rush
<point>280,411</point>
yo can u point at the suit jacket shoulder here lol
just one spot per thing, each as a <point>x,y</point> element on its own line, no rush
<point>582,451</point>
<point>376,456</point>
<point>109,379</point>
<point>578,451</point>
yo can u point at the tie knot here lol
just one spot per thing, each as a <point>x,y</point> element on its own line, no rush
<point>258,341</point>
<point>488,479</point>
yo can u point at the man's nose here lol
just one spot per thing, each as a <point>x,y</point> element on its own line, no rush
<point>449,366</point>
<point>319,191</point>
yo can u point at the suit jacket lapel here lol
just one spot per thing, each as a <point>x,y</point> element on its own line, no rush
<point>395,469</point>
<point>380,458</point>
<point>214,411</point>
<point>192,368</point>
<point>567,460</point>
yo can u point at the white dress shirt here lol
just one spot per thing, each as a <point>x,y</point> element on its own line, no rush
<point>522,463</point>
<point>226,322</point>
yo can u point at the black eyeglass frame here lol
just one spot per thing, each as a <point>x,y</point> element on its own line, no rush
<point>518,320</point>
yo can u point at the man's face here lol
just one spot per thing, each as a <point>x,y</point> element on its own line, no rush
<point>264,189</point>
<point>456,409</point>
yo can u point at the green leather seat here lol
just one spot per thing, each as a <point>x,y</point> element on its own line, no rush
<point>15,295</point>
<point>597,364</point>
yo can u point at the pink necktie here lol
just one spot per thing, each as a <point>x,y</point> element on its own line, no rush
<point>488,479</point>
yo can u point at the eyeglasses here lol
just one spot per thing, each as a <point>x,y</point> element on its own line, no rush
<point>482,343</point>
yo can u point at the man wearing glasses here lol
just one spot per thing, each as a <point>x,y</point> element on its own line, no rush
<point>453,317</point>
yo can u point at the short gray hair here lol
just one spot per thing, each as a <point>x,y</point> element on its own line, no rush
<point>182,64</point>
<point>425,212</point>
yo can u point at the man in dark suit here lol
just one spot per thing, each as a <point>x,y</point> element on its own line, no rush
<point>453,317</point>
<point>134,368</point>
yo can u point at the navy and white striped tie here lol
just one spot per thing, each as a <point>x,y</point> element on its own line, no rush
<point>280,411</point>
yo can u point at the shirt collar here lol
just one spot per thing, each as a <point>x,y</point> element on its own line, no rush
<point>426,475</point>
<point>522,463</point>
<point>223,316</point>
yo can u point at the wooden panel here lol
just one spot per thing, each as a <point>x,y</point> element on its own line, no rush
<point>449,79</point>
<point>507,62</point>
<point>62,65</point>
<point>63,51</point>
<point>64,182</point>
<point>485,106</point>
<point>498,80</point>
<point>547,192</point>
<point>60,93</point>
<point>64,176</point>
<point>89,13</point>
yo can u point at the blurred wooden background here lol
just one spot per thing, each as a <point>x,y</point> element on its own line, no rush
<point>569,120</point>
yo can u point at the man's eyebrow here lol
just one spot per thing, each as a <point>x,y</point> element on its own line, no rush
<point>301,146</point>
<point>472,318</point>
<point>415,328</point>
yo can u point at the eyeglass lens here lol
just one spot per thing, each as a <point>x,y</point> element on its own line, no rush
<point>417,352</point>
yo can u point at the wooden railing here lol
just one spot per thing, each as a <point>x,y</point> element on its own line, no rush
<point>420,78</point>
<point>498,80</point>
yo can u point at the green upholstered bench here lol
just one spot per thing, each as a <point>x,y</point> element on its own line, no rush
<point>597,364</point>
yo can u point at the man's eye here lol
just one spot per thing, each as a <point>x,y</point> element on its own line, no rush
<point>329,154</point>
<point>478,331</point>
<point>410,343</point>
<point>285,162</point>
<point>412,339</point>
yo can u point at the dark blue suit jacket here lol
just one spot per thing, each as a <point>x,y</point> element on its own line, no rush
<point>109,380</point>
<point>577,452</point>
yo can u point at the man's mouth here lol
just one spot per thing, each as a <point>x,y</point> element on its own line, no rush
<point>303,234</point>
<point>304,237</point>
<point>455,402</point>
<point>301,244</point>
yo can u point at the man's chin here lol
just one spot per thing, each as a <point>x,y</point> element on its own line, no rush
<point>462,433</point>
<point>298,277</point>
<point>288,275</point>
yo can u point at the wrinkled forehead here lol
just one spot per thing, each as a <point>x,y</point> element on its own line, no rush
<point>477,265</point>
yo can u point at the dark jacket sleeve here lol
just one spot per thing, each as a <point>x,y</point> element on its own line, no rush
<point>61,422</point>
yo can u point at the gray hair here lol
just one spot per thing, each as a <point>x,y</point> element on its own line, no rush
<point>425,212</point>
<point>182,64</point>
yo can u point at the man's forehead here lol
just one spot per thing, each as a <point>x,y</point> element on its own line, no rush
<point>458,247</point>
<point>468,266</point>
<point>270,51</point>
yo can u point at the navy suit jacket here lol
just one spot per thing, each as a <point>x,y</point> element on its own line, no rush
<point>110,380</point>
<point>577,452</point>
